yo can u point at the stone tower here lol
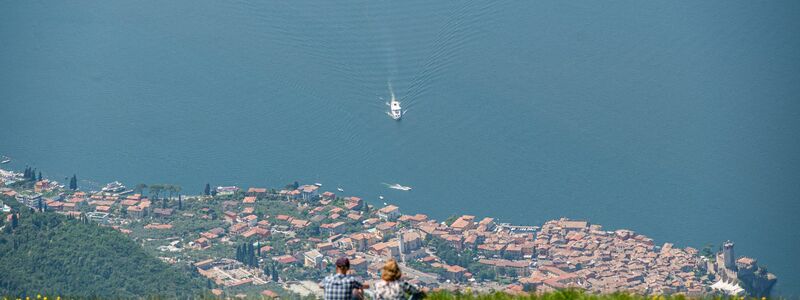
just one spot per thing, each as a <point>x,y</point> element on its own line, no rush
<point>400,246</point>
<point>728,255</point>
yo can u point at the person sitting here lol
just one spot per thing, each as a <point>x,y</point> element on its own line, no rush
<point>390,287</point>
<point>342,285</point>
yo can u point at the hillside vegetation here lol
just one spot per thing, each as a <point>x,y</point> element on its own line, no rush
<point>47,253</point>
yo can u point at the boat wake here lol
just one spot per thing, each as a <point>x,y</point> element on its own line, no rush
<point>397,186</point>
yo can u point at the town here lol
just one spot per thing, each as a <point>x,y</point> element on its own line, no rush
<point>275,242</point>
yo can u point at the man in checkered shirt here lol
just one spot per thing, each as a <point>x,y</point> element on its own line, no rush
<point>342,286</point>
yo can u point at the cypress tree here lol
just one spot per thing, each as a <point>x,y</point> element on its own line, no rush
<point>251,256</point>
<point>244,254</point>
<point>40,175</point>
<point>73,183</point>
<point>207,190</point>
<point>180,202</point>
<point>14,221</point>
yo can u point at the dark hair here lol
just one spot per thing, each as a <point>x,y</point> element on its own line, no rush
<point>343,263</point>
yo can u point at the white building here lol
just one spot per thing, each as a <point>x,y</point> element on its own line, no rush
<point>389,213</point>
<point>313,259</point>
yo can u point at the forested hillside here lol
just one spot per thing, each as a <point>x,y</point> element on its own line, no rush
<point>47,253</point>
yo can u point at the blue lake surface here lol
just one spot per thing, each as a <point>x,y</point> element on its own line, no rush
<point>677,119</point>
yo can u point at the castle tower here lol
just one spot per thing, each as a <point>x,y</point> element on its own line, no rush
<point>400,246</point>
<point>728,255</point>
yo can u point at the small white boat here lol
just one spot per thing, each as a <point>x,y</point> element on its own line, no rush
<point>395,110</point>
<point>380,197</point>
<point>340,189</point>
<point>318,184</point>
<point>5,161</point>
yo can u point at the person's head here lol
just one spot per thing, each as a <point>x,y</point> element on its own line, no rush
<point>342,265</point>
<point>391,271</point>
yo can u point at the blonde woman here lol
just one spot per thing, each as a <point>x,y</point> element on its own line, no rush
<point>390,287</point>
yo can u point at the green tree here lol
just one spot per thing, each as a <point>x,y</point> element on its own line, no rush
<point>14,221</point>
<point>139,188</point>
<point>207,190</point>
<point>73,183</point>
<point>155,190</point>
<point>40,256</point>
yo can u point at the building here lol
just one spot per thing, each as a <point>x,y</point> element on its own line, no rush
<point>409,241</point>
<point>728,255</point>
<point>454,273</point>
<point>313,259</point>
<point>134,211</point>
<point>332,228</point>
<point>226,190</point>
<point>575,225</point>
<point>249,200</point>
<point>354,203</point>
<point>163,212</point>
<point>360,241</point>
<point>487,224</point>
<point>463,223</point>
<point>202,243</point>
<point>308,192</point>
<point>359,265</point>
<point>29,200</point>
<point>270,294</point>
<point>389,213</point>
<point>328,196</point>
<point>386,249</point>
<point>257,192</point>
<point>42,186</point>
<point>99,217</point>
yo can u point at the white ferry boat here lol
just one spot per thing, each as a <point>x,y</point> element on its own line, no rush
<point>114,187</point>
<point>395,111</point>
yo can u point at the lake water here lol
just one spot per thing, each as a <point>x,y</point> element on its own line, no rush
<point>677,119</point>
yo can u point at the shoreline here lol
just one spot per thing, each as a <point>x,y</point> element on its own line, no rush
<point>530,256</point>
